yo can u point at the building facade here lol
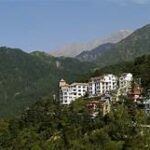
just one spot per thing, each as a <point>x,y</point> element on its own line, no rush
<point>125,82</point>
<point>100,85</point>
<point>99,106</point>
<point>69,93</point>
<point>146,104</point>
<point>97,86</point>
<point>136,92</point>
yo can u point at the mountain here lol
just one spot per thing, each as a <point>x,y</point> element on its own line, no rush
<point>25,78</point>
<point>95,53</point>
<point>136,44</point>
<point>72,50</point>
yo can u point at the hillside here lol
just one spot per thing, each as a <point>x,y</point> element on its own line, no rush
<point>95,53</point>
<point>25,78</point>
<point>140,68</point>
<point>137,44</point>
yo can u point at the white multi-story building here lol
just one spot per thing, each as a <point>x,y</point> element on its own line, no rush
<point>102,84</point>
<point>97,86</point>
<point>69,93</point>
<point>125,81</point>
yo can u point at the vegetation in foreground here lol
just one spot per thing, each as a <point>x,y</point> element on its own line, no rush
<point>50,126</point>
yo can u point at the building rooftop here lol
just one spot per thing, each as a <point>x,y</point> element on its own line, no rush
<point>62,80</point>
<point>101,77</point>
<point>75,83</point>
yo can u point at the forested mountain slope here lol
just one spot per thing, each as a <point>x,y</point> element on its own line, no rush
<point>25,78</point>
<point>136,44</point>
<point>95,53</point>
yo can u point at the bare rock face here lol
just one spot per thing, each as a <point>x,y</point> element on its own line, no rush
<point>74,49</point>
<point>58,64</point>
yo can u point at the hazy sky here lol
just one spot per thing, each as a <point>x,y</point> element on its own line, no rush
<point>49,24</point>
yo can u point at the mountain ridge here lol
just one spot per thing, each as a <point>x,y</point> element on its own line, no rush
<point>93,54</point>
<point>74,49</point>
<point>127,49</point>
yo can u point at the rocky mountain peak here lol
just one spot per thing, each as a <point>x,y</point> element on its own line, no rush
<point>74,49</point>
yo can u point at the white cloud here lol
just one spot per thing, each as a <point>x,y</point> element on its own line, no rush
<point>124,2</point>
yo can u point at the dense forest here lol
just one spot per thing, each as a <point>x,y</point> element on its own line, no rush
<point>25,78</point>
<point>48,125</point>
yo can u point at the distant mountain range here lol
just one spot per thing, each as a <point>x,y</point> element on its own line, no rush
<point>72,50</point>
<point>136,44</point>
